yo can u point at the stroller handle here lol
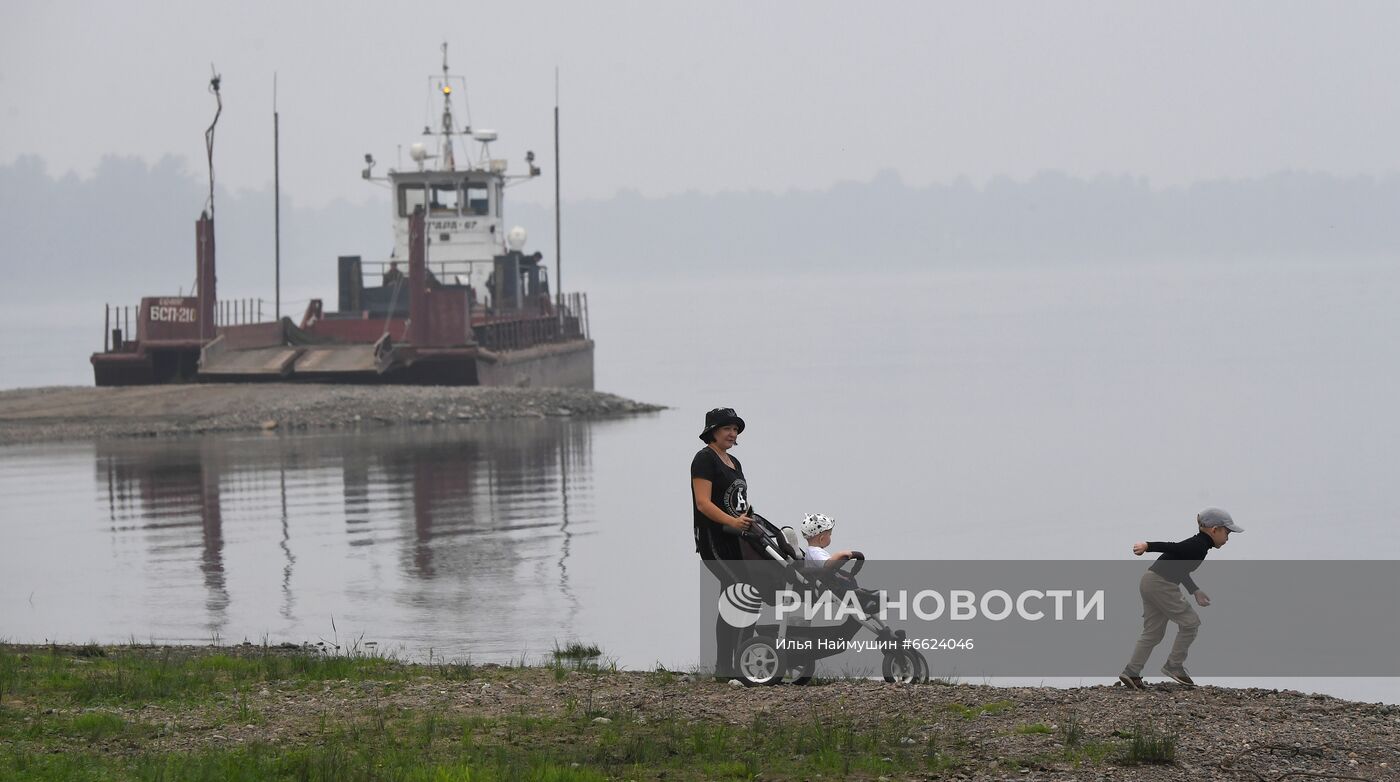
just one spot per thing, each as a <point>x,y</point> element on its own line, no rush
<point>746,533</point>
<point>761,533</point>
<point>859,559</point>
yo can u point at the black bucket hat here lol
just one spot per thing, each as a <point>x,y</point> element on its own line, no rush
<point>720,416</point>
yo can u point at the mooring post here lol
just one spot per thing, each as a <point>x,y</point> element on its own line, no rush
<point>206,289</point>
<point>417,279</point>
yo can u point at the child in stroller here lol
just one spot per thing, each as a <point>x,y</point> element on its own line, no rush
<point>768,656</point>
<point>817,529</point>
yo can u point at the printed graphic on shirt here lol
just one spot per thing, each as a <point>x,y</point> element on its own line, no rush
<point>736,498</point>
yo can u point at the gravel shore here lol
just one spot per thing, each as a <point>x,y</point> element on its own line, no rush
<point>71,413</point>
<point>668,725</point>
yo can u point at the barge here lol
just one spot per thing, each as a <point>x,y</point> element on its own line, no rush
<point>458,302</point>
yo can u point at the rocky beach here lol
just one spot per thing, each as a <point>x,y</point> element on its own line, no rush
<point>309,712</point>
<point>70,413</point>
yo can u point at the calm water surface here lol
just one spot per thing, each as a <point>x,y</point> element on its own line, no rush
<point>997,414</point>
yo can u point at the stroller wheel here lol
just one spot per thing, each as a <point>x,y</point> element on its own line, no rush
<point>920,664</point>
<point>904,666</point>
<point>759,662</point>
<point>800,672</point>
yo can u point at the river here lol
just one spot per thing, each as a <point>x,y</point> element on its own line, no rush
<point>1002,414</point>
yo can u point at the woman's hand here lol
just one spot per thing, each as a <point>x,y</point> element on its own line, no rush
<point>742,523</point>
<point>1139,549</point>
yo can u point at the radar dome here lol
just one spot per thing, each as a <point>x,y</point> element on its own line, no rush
<point>417,152</point>
<point>516,238</point>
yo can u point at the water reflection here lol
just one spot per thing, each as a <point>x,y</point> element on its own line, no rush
<point>172,498</point>
<point>405,532</point>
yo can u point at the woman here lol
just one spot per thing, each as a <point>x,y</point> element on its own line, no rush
<point>720,497</point>
<point>720,493</point>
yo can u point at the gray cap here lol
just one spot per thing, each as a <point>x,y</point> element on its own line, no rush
<point>1215,517</point>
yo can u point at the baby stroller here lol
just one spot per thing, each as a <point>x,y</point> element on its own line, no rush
<point>790,649</point>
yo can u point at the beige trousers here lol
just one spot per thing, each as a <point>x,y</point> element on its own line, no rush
<point>1161,601</point>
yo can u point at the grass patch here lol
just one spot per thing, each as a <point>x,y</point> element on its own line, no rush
<point>1086,753</point>
<point>1071,731</point>
<point>575,650</point>
<point>97,724</point>
<point>1138,746</point>
<point>49,732</point>
<point>68,714</point>
<point>662,677</point>
<point>458,669</point>
<point>1091,752</point>
<point>973,712</point>
<point>137,676</point>
<point>940,753</point>
<point>1148,746</point>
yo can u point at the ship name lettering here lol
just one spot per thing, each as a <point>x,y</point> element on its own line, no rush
<point>173,314</point>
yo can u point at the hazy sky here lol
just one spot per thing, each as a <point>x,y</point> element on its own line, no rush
<point>667,97</point>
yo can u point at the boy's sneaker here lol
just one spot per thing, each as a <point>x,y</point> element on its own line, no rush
<point>1131,682</point>
<point>1178,675</point>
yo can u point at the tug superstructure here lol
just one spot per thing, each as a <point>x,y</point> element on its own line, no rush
<point>458,302</point>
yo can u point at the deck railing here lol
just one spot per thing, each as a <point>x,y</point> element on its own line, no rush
<point>116,326</point>
<point>236,312</point>
<point>117,319</point>
<point>569,321</point>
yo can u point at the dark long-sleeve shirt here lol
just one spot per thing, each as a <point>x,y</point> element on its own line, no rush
<point>1180,559</point>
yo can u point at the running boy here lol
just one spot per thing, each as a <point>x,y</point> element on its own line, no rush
<point>1162,600</point>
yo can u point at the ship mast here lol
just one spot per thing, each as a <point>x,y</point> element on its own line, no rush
<point>449,161</point>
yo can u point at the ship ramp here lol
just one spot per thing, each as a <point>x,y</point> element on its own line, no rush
<point>280,351</point>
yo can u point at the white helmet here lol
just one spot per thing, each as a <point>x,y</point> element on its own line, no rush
<point>814,524</point>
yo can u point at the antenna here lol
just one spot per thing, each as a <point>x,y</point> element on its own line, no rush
<point>276,204</point>
<point>558,244</point>
<point>449,160</point>
<point>214,82</point>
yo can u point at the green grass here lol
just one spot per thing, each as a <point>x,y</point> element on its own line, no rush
<point>138,676</point>
<point>575,650</point>
<point>73,714</point>
<point>96,725</point>
<point>1137,746</point>
<point>333,762</point>
<point>70,714</point>
<point>1147,746</point>
<point>1071,731</point>
<point>973,712</point>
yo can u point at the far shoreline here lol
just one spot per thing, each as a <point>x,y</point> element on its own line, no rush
<point>66,413</point>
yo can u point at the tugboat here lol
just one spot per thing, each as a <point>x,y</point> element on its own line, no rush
<point>459,302</point>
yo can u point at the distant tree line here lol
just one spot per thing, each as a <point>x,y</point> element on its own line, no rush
<point>127,229</point>
<point>1050,218</point>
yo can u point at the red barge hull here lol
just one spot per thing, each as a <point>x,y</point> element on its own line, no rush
<point>442,338</point>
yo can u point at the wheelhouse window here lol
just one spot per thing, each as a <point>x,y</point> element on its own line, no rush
<point>445,200</point>
<point>463,198</point>
<point>411,197</point>
<point>478,199</point>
